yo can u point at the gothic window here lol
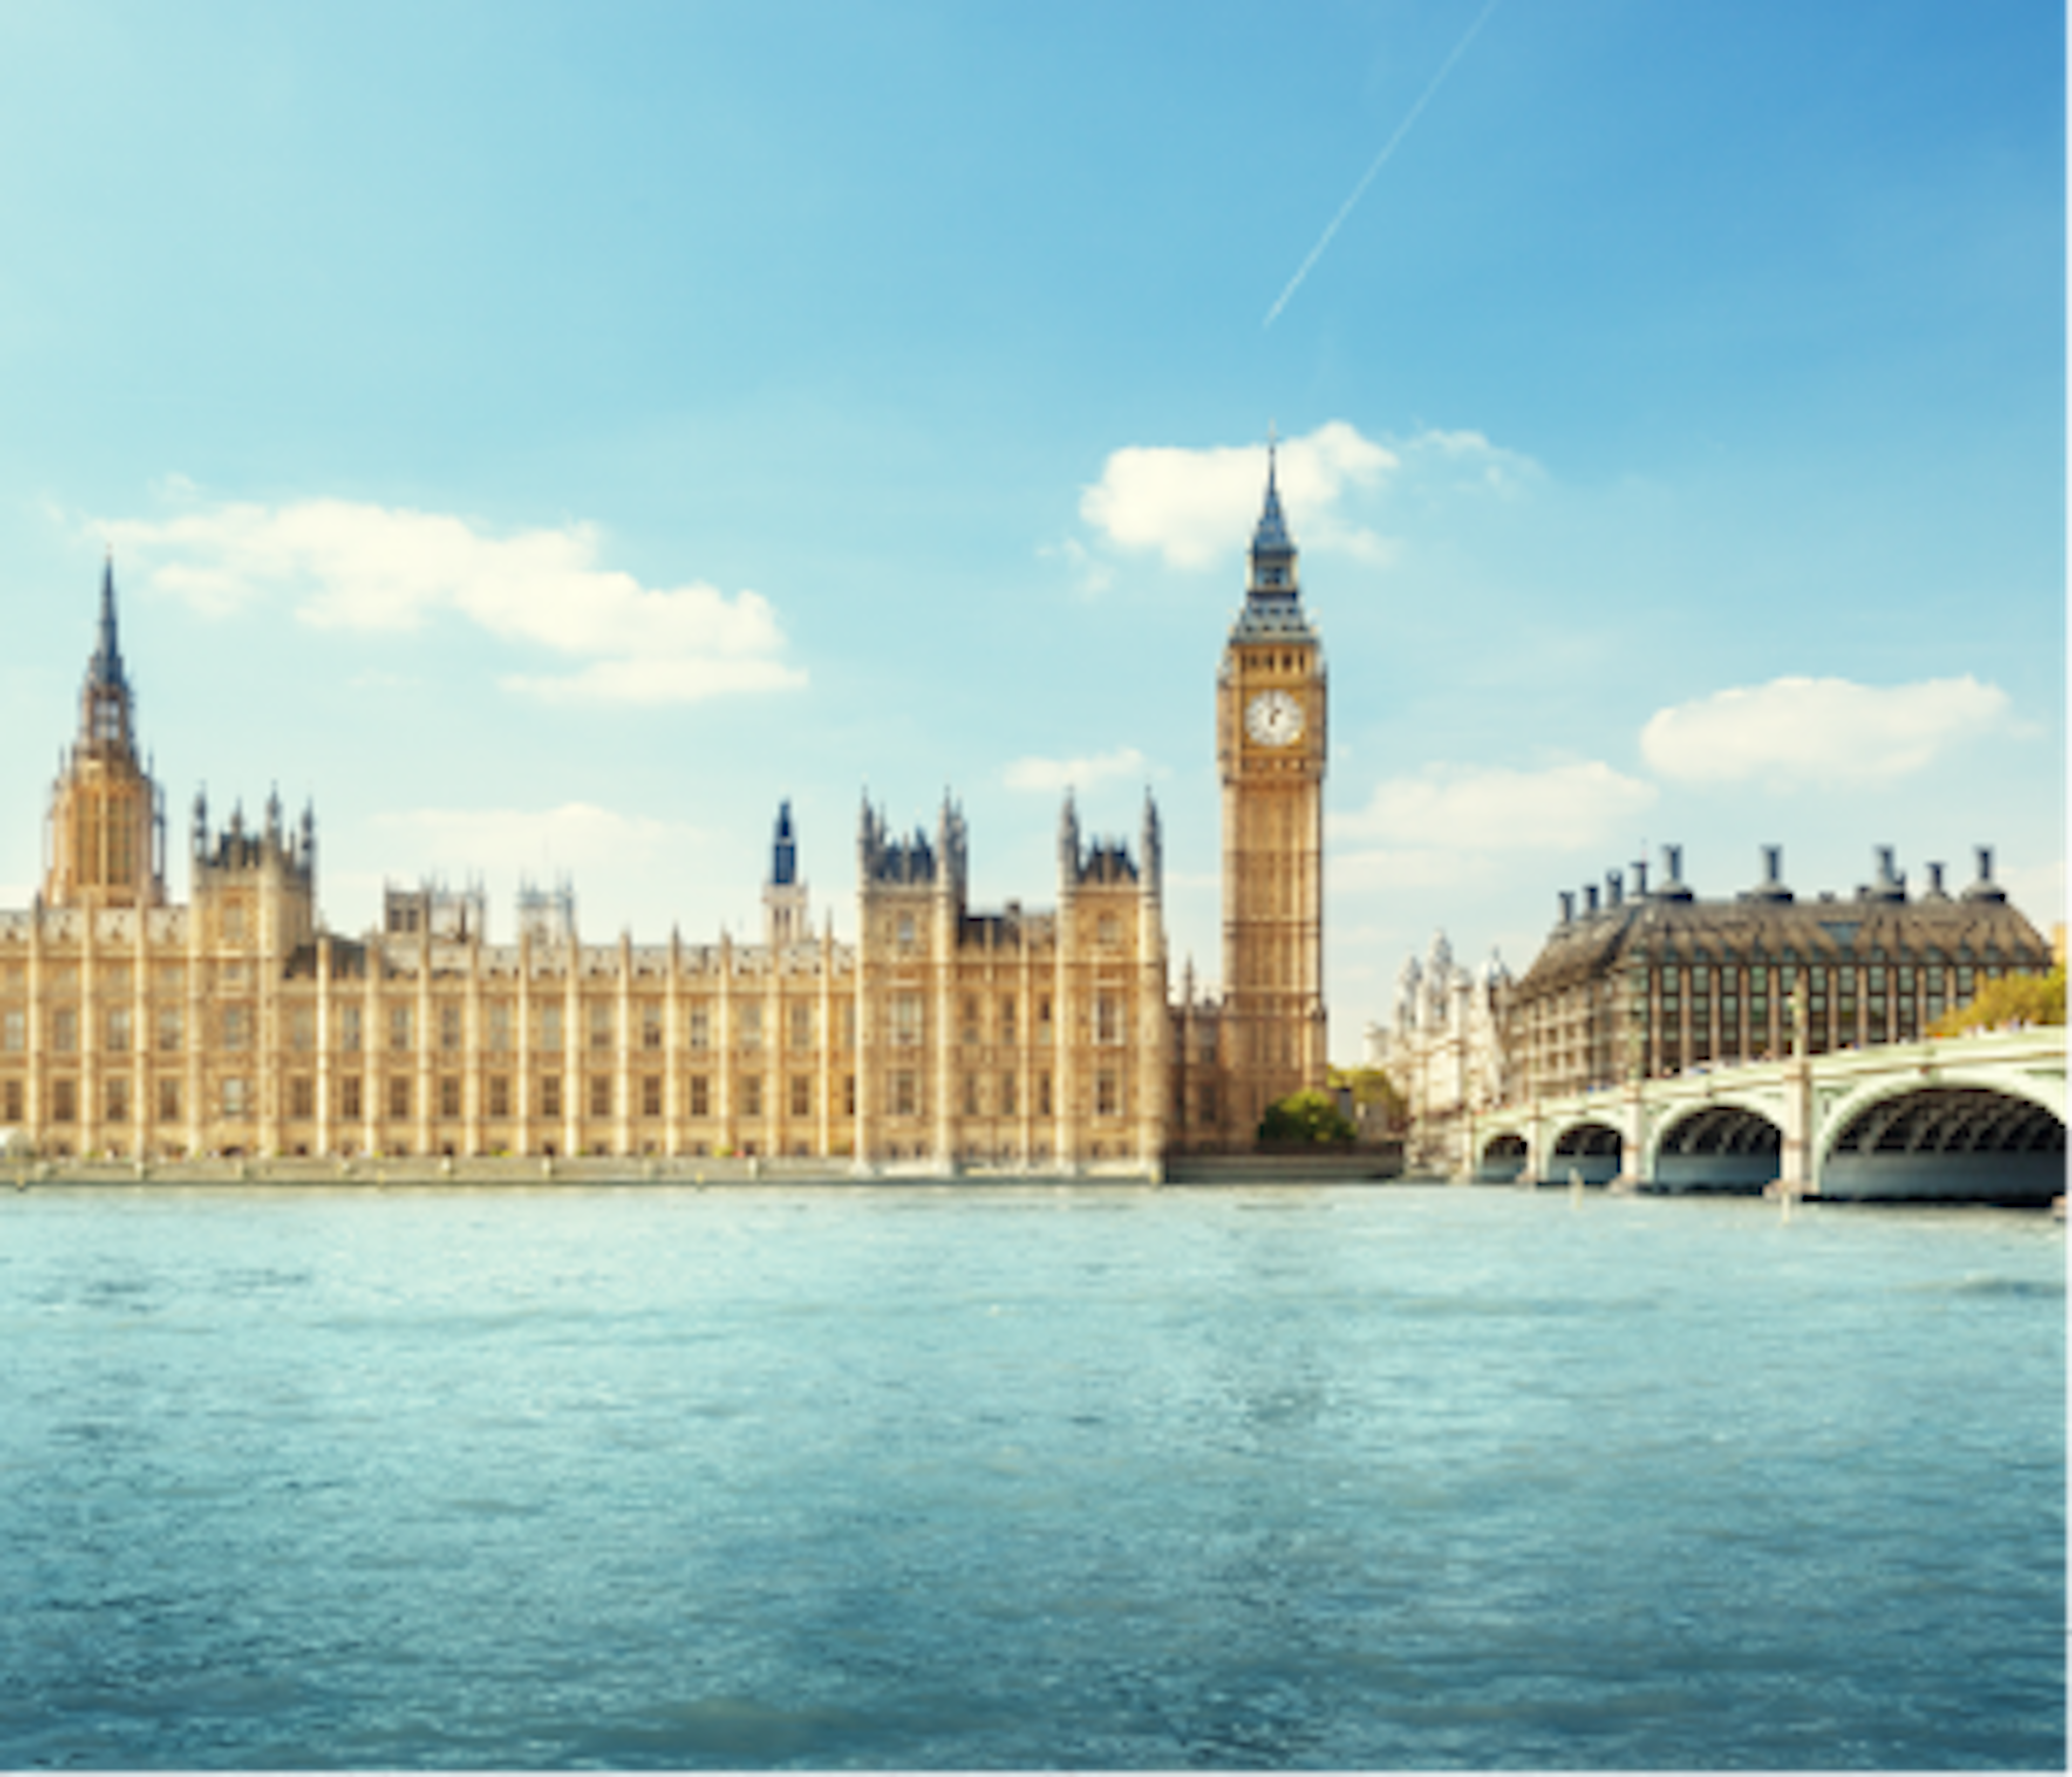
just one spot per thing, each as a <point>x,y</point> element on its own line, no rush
<point>115,1099</point>
<point>1007,1018</point>
<point>450,1094</point>
<point>1042,1095</point>
<point>168,1101</point>
<point>848,1024</point>
<point>550,1095</point>
<point>701,1027</point>
<point>748,1025</point>
<point>848,1095</point>
<point>700,1095</point>
<point>449,1028</point>
<point>302,1097</point>
<point>302,1028</point>
<point>904,1102</point>
<point>601,1025</point>
<point>499,1095</point>
<point>399,1026</point>
<point>64,1029</point>
<point>905,1020</point>
<point>971,1095</point>
<point>802,1026</point>
<point>1043,1018</point>
<point>1107,1099</point>
<point>236,1096</point>
<point>650,1024</point>
<point>970,1032</point>
<point>348,1030</point>
<point>233,922</point>
<point>10,1100</point>
<point>548,1018</point>
<point>14,1030</point>
<point>1108,1018</point>
<point>600,1095</point>
<point>651,1095</point>
<point>905,930</point>
<point>348,1098</point>
<point>751,1095</point>
<point>802,1095</point>
<point>399,1095</point>
<point>65,1100</point>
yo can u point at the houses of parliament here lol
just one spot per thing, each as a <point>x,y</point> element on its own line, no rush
<point>940,1038</point>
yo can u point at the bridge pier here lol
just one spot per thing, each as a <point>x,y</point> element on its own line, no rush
<point>1797,1159</point>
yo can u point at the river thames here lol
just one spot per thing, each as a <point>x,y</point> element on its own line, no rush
<point>1026,1476</point>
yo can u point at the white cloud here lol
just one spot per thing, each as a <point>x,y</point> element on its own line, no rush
<point>1819,730</point>
<point>1193,506</point>
<point>1472,808</point>
<point>354,566</point>
<point>1058,775</point>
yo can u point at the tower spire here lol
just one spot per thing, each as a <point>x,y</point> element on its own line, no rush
<point>1273,593</point>
<point>105,667</point>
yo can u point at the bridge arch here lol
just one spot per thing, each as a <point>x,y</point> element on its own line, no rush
<point>1590,1147</point>
<point>1990,1137</point>
<point>1722,1144</point>
<point>1503,1159</point>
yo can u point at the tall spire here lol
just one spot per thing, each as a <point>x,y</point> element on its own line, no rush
<point>104,700</point>
<point>105,667</point>
<point>1272,592</point>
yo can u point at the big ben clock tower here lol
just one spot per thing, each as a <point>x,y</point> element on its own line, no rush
<point>1270,737</point>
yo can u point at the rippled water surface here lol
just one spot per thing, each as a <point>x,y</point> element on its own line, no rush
<point>984,1478</point>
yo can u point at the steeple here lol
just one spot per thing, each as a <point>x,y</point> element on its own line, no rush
<point>105,667</point>
<point>107,836</point>
<point>104,704</point>
<point>785,914</point>
<point>1272,607</point>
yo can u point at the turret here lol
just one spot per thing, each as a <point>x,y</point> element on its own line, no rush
<point>786,918</point>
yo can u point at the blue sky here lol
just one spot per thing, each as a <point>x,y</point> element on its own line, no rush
<point>547,436</point>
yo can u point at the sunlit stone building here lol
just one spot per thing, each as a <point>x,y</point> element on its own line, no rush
<point>1638,981</point>
<point>940,1037</point>
<point>1447,1051</point>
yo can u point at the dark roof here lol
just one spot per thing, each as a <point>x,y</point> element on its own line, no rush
<point>1593,944</point>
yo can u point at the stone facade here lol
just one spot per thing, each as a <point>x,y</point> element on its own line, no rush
<point>940,1038</point>
<point>1638,983</point>
<point>1447,1052</point>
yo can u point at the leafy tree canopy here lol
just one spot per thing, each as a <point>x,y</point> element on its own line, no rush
<point>1371,1086</point>
<point>1304,1116</point>
<point>2008,999</point>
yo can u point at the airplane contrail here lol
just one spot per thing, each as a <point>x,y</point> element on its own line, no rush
<point>1380,160</point>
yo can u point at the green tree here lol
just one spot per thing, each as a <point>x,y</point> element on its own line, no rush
<point>1311,1117</point>
<point>2007,999</point>
<point>1372,1086</point>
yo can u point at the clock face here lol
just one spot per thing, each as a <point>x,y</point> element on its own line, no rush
<point>1273,718</point>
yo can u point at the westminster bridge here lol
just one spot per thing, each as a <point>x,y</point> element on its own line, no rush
<point>1978,1117</point>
